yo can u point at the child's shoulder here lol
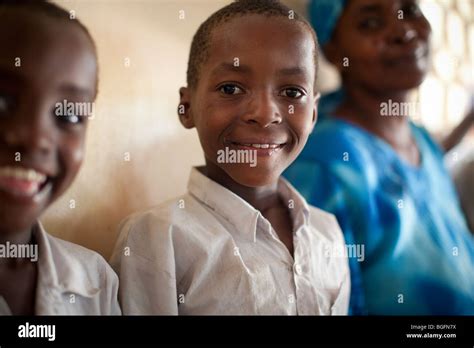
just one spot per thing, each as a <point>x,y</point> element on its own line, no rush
<point>61,248</point>
<point>181,211</point>
<point>183,216</point>
<point>69,268</point>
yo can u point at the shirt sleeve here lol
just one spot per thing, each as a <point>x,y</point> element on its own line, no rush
<point>341,304</point>
<point>335,189</point>
<point>144,260</point>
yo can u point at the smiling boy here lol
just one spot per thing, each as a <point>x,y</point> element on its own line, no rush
<point>242,240</point>
<point>45,58</point>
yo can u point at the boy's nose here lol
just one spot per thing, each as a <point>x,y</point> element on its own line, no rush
<point>263,110</point>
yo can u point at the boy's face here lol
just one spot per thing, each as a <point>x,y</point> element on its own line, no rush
<point>385,43</point>
<point>255,94</point>
<point>43,61</point>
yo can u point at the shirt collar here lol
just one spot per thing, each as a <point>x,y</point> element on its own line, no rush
<point>237,211</point>
<point>299,209</point>
<point>58,271</point>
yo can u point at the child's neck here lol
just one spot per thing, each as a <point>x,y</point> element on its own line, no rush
<point>265,199</point>
<point>20,238</point>
<point>17,237</point>
<point>261,198</point>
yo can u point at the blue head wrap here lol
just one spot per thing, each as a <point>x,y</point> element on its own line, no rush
<point>324,15</point>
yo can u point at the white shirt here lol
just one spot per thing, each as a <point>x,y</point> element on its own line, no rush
<point>72,280</point>
<point>210,252</point>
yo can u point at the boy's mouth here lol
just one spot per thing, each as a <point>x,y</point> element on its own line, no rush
<point>24,184</point>
<point>261,148</point>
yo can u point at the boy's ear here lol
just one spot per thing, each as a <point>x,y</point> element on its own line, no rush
<point>184,108</point>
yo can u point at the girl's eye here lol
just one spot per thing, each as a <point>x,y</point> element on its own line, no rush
<point>294,93</point>
<point>230,89</point>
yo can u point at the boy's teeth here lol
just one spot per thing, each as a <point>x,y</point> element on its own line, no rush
<point>21,182</point>
<point>261,146</point>
<point>265,146</point>
<point>22,174</point>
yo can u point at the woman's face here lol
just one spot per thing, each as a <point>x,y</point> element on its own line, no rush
<point>381,45</point>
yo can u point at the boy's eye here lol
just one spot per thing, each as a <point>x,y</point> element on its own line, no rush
<point>69,119</point>
<point>230,89</point>
<point>70,113</point>
<point>292,93</point>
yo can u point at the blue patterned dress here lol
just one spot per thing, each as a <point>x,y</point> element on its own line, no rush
<point>419,253</point>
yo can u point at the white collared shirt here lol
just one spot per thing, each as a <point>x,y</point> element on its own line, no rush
<point>72,280</point>
<point>210,252</point>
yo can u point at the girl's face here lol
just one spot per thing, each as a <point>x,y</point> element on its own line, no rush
<point>43,61</point>
<point>381,45</point>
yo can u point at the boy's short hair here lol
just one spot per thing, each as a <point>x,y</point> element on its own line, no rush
<point>200,45</point>
<point>47,8</point>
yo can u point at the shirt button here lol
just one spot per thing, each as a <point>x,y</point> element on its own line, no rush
<point>298,269</point>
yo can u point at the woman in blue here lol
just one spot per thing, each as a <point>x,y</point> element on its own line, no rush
<point>382,176</point>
